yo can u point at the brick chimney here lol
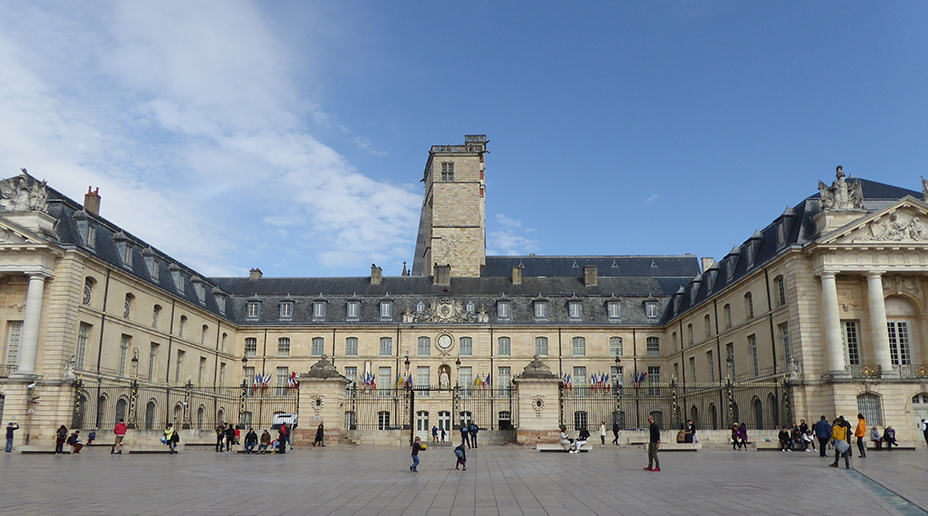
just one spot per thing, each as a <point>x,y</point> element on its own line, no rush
<point>92,201</point>
<point>376,274</point>
<point>255,273</point>
<point>517,275</point>
<point>590,276</point>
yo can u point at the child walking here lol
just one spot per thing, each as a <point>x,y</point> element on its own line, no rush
<point>416,447</point>
<point>462,457</point>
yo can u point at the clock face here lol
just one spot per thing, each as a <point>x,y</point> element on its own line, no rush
<point>444,341</point>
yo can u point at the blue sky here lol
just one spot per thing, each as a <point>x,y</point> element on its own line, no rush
<point>291,135</point>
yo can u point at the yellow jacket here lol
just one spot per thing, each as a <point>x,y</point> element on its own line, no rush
<point>839,433</point>
<point>861,430</point>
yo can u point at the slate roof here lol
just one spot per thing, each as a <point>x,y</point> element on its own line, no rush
<point>607,266</point>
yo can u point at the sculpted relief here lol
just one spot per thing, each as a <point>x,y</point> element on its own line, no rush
<point>841,195</point>
<point>23,193</point>
<point>898,228</point>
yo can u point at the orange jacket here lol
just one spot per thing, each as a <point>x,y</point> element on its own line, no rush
<point>861,430</point>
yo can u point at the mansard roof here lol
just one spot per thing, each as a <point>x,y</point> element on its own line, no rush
<point>606,266</point>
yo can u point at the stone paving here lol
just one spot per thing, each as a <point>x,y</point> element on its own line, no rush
<point>502,480</point>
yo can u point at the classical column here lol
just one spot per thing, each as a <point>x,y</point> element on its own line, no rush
<point>879,335</point>
<point>832,325</point>
<point>29,341</point>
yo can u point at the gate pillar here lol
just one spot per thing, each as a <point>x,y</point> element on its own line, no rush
<point>322,401</point>
<point>539,404</point>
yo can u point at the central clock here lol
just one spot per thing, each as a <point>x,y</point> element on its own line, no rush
<point>444,341</point>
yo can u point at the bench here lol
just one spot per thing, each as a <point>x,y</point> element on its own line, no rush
<point>675,447</point>
<point>554,447</point>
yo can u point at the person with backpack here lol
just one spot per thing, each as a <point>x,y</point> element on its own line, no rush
<point>61,436</point>
<point>462,457</point>
<point>75,442</point>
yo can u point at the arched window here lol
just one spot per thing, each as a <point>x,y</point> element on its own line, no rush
<point>748,306</point>
<point>708,322</point>
<point>689,334</point>
<point>726,311</point>
<point>758,413</point>
<point>868,404</point>
<point>88,290</point>
<point>182,328</point>
<point>150,415</point>
<point>155,315</point>
<point>779,288</point>
<point>121,404</point>
<point>127,312</point>
<point>203,332</point>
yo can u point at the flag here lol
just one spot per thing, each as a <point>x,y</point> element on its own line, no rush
<point>477,380</point>
<point>399,380</point>
<point>256,381</point>
<point>486,382</point>
<point>292,382</point>
<point>409,380</point>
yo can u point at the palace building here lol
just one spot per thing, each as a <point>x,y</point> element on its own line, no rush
<point>820,312</point>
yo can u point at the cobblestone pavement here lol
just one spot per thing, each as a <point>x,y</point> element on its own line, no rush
<point>505,480</point>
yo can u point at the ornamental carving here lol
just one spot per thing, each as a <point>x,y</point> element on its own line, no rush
<point>441,311</point>
<point>538,403</point>
<point>900,283</point>
<point>317,401</point>
<point>23,193</point>
<point>897,229</point>
<point>841,195</point>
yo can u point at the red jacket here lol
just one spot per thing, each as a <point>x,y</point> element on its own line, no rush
<point>120,429</point>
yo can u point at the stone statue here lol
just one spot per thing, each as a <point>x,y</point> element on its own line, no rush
<point>841,195</point>
<point>482,315</point>
<point>23,193</point>
<point>443,381</point>
<point>794,369</point>
<point>925,189</point>
<point>408,316</point>
<point>69,368</point>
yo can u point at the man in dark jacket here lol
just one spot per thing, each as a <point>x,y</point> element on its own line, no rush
<point>465,432</point>
<point>823,434</point>
<point>230,437</point>
<point>251,440</point>
<point>615,433</point>
<point>473,434</point>
<point>283,435</point>
<point>220,435</point>
<point>654,443</point>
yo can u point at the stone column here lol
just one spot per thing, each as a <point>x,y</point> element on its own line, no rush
<point>833,338</point>
<point>322,401</point>
<point>539,404</point>
<point>29,342</point>
<point>879,334</point>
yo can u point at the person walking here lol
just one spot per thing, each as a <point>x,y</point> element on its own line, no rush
<point>923,426</point>
<point>823,433</point>
<point>842,442</point>
<point>735,443</point>
<point>171,438</point>
<point>230,437</point>
<point>320,434</point>
<point>11,427</point>
<point>265,441</point>
<point>60,437</point>
<point>743,435</point>
<point>120,430</point>
<point>861,433</point>
<point>434,434</point>
<point>283,433</point>
<point>220,435</point>
<point>465,432</point>
<point>602,432</point>
<point>443,434</point>
<point>654,443</point>
<point>615,432</point>
<point>462,457</point>
<point>473,433</point>
<point>251,440</point>
<point>416,448</point>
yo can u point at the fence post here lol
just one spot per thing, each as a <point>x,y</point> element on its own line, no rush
<point>133,405</point>
<point>730,399</point>
<point>674,417</point>
<point>241,407</point>
<point>786,402</point>
<point>78,416</point>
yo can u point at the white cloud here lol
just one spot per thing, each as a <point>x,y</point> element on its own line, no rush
<point>511,238</point>
<point>186,115</point>
<point>649,199</point>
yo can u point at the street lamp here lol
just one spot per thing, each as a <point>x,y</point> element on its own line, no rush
<point>135,362</point>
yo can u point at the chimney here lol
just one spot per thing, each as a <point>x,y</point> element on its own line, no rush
<point>517,275</point>
<point>590,275</point>
<point>442,275</point>
<point>707,262</point>
<point>376,274</point>
<point>92,201</point>
<point>255,273</point>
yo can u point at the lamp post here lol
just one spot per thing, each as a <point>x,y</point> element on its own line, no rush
<point>241,408</point>
<point>134,390</point>
<point>616,391</point>
<point>411,400</point>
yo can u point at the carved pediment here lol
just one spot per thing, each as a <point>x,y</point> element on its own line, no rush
<point>10,234</point>
<point>905,222</point>
<point>443,311</point>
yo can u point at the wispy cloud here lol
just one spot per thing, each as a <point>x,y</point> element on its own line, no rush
<point>649,199</point>
<point>510,238</point>
<point>186,115</point>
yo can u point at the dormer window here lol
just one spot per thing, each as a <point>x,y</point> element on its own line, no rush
<point>177,276</point>
<point>286,310</point>
<point>200,288</point>
<point>503,309</point>
<point>220,298</point>
<point>781,234</point>
<point>353,310</point>
<point>650,309</point>
<point>386,310</point>
<point>253,309</point>
<point>575,310</point>
<point>319,309</point>
<point>123,249</point>
<point>151,263</point>
<point>614,310</point>
<point>541,309</point>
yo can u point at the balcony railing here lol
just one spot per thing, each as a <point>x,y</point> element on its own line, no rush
<point>6,370</point>
<point>911,371</point>
<point>864,371</point>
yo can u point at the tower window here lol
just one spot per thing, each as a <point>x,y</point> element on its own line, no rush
<point>447,171</point>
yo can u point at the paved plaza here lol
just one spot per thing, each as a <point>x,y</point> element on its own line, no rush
<point>501,480</point>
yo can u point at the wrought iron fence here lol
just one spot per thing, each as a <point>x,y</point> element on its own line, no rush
<point>760,405</point>
<point>149,407</point>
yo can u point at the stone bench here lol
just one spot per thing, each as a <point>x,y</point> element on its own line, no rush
<point>554,447</point>
<point>675,447</point>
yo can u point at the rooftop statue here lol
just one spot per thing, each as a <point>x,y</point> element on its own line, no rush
<point>841,195</point>
<point>23,193</point>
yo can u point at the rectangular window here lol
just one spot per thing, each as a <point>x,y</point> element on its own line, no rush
<point>386,346</point>
<point>386,310</point>
<point>727,311</point>
<point>730,358</point>
<point>422,380</point>
<point>505,346</point>
<point>222,373</point>
<point>286,310</point>
<point>283,375</point>
<point>579,380</point>
<point>708,323</point>
<point>899,350</point>
<point>654,346</point>
<point>14,334</point>
<point>781,291</point>
<point>178,370</point>
<point>575,310</point>
<point>502,310</point>
<point>351,373</point>
<point>83,335</point>
<point>618,375</point>
<point>503,379</point>
<point>283,347</point>
<point>579,346</point>
<point>425,346</point>
<point>447,171</point>
<point>124,343</point>
<point>692,369</point>
<point>251,347</point>
<point>351,346</point>
<point>201,372</point>
<point>354,310</point>
<point>249,374</point>
<point>614,309</point>
<point>752,344</point>
<point>384,380</point>
<point>650,309</point>
<point>541,346</point>
<point>784,340</point>
<point>851,343</point>
<point>711,360</point>
<point>689,334</point>
<point>318,347</point>
<point>254,309</point>
<point>749,306</point>
<point>466,378</point>
<point>541,310</point>
<point>319,310</point>
<point>467,346</point>
<point>654,380</point>
<point>615,346</point>
<point>152,360</point>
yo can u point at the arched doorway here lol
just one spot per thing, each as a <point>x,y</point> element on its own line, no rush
<point>758,413</point>
<point>121,405</point>
<point>694,415</point>
<point>150,415</point>
<point>920,406</point>
<point>713,416</point>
